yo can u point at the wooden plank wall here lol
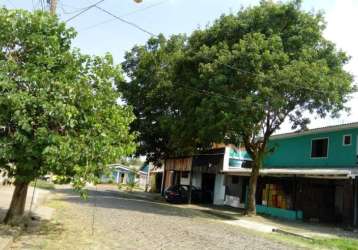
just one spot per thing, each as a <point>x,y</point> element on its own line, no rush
<point>178,164</point>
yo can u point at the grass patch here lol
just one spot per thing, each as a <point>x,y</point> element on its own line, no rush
<point>129,187</point>
<point>338,243</point>
<point>43,184</point>
<point>318,243</point>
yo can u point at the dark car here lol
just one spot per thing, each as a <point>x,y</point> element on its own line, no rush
<point>180,194</point>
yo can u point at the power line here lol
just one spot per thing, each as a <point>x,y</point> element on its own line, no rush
<point>43,5</point>
<point>124,15</point>
<point>74,11</point>
<point>95,5</point>
<point>84,10</point>
<point>152,34</point>
<point>125,21</point>
<point>144,8</point>
<point>10,2</point>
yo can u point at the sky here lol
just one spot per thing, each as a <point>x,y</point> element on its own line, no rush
<point>99,33</point>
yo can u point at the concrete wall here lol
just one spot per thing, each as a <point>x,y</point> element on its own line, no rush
<point>234,189</point>
<point>219,191</point>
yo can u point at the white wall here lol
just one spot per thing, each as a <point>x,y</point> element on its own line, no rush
<point>185,181</point>
<point>219,190</point>
<point>226,159</point>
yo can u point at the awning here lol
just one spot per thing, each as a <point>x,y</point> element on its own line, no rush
<point>332,173</point>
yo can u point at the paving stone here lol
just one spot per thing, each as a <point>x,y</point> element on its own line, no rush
<point>111,220</point>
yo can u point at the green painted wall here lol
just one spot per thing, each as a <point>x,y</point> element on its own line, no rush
<point>295,151</point>
<point>280,213</point>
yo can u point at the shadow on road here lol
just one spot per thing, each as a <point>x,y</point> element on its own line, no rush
<point>136,201</point>
<point>145,203</point>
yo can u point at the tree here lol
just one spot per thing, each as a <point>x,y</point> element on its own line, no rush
<point>59,109</point>
<point>265,65</point>
<point>238,80</point>
<point>151,94</point>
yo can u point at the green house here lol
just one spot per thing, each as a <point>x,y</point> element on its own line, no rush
<point>309,175</point>
<point>328,147</point>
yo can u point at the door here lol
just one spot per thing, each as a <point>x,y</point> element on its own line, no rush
<point>318,203</point>
<point>158,182</point>
<point>208,186</point>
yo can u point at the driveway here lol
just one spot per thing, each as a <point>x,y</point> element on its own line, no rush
<point>114,220</point>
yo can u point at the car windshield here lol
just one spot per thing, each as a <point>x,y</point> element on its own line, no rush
<point>185,188</point>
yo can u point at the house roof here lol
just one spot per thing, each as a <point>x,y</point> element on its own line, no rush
<point>144,168</point>
<point>120,167</point>
<point>316,130</point>
<point>333,173</point>
<point>126,169</point>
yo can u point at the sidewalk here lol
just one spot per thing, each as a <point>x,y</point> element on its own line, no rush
<point>269,224</point>
<point>7,233</point>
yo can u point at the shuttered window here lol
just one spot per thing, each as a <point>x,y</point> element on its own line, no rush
<point>347,140</point>
<point>319,148</point>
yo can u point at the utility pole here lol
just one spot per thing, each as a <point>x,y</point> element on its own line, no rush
<point>53,6</point>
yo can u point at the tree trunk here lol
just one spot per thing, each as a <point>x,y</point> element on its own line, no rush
<point>251,199</point>
<point>17,206</point>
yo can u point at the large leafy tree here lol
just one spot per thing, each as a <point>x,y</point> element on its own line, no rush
<point>237,81</point>
<point>59,110</point>
<point>260,67</point>
<point>151,93</point>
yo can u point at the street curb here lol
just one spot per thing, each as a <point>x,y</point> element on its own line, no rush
<point>276,230</point>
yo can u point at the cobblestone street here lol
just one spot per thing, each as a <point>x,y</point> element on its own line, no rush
<point>113,220</point>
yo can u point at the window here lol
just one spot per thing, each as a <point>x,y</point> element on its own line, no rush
<point>235,163</point>
<point>319,148</point>
<point>185,174</point>
<point>234,179</point>
<point>347,140</point>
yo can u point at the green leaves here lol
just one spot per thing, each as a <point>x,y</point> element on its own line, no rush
<point>235,81</point>
<point>60,111</point>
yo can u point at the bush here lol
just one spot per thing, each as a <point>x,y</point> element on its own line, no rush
<point>43,184</point>
<point>61,179</point>
<point>128,186</point>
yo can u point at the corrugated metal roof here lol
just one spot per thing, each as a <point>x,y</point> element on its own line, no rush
<point>317,130</point>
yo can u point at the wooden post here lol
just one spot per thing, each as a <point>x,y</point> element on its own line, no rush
<point>53,6</point>
<point>190,184</point>
<point>162,188</point>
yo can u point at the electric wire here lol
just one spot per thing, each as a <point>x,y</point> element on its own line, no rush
<point>11,3</point>
<point>84,10</point>
<point>124,15</point>
<point>125,21</point>
<point>74,9</point>
<point>210,59</point>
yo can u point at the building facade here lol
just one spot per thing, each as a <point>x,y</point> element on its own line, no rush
<point>204,170</point>
<point>310,175</point>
